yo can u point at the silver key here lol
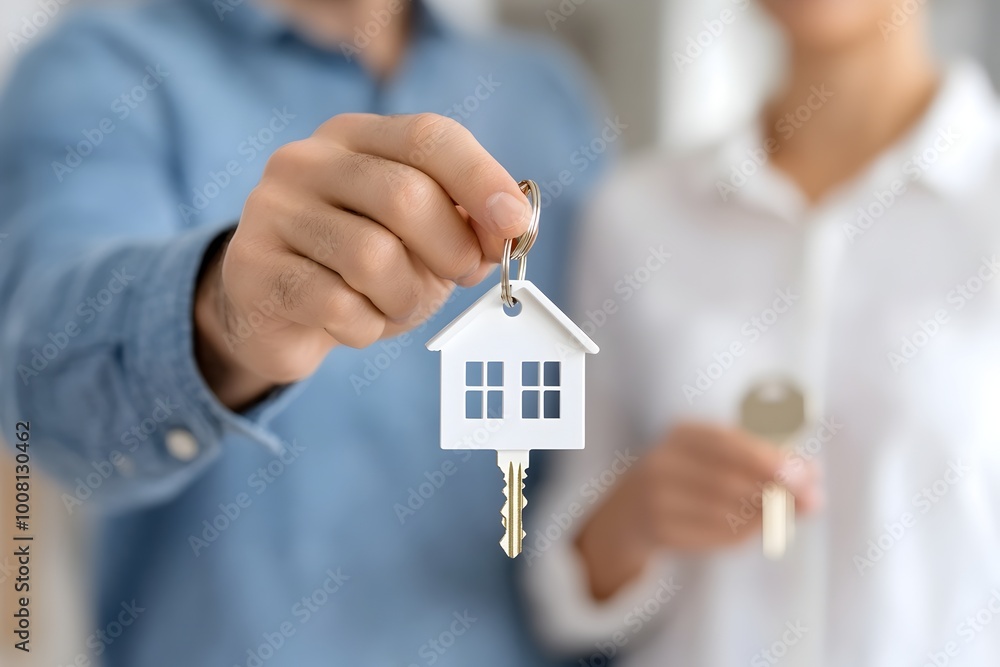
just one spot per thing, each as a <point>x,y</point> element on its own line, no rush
<point>514,465</point>
<point>775,410</point>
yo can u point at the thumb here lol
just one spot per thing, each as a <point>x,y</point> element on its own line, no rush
<point>803,479</point>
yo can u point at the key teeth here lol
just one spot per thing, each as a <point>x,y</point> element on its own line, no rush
<point>512,547</point>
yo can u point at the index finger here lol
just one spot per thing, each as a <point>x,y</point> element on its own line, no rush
<point>736,449</point>
<point>764,462</point>
<point>447,152</point>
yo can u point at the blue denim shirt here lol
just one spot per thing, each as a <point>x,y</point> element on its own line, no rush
<point>325,526</point>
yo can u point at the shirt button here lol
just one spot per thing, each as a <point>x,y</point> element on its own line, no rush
<point>181,444</point>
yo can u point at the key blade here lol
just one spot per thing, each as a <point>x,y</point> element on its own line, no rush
<point>789,518</point>
<point>514,465</point>
<point>774,512</point>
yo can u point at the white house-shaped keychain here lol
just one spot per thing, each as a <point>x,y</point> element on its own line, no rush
<point>512,376</point>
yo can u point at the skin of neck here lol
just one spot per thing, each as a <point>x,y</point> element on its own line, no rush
<point>376,32</point>
<point>877,89</point>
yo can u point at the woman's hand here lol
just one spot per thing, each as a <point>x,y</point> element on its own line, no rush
<point>687,495</point>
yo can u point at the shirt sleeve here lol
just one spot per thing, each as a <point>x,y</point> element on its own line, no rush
<point>568,619</point>
<point>97,279</point>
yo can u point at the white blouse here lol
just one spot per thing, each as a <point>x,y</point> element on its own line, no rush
<point>700,276</point>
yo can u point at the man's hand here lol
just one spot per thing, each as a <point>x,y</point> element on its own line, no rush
<point>357,233</point>
<point>686,495</point>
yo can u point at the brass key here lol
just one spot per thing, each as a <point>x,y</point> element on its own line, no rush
<point>775,410</point>
<point>514,465</point>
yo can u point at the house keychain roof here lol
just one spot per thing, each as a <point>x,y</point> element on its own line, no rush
<point>526,292</point>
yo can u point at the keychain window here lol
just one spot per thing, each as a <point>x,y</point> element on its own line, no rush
<point>474,377</point>
<point>542,402</point>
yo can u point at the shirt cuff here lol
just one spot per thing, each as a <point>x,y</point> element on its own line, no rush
<point>163,357</point>
<point>572,622</point>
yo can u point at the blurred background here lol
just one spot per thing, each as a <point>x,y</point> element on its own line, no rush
<point>629,46</point>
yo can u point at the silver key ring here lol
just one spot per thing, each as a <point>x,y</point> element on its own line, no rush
<point>518,248</point>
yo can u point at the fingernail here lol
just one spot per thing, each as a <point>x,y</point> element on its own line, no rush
<point>792,474</point>
<point>801,478</point>
<point>813,500</point>
<point>819,500</point>
<point>507,214</point>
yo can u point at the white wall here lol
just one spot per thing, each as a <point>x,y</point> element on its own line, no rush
<point>473,14</point>
<point>630,45</point>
